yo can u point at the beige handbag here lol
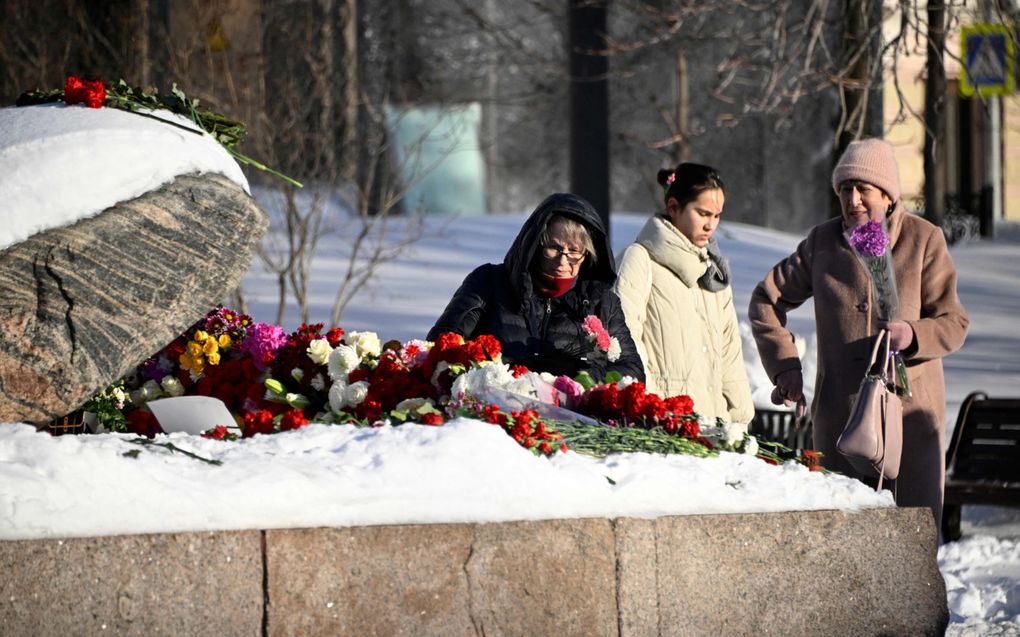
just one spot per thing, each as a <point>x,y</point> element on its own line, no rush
<point>872,439</point>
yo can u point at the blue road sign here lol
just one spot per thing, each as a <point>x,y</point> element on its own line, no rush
<point>987,54</point>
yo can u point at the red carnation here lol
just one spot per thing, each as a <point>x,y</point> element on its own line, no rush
<point>219,432</point>
<point>293,419</point>
<point>334,336</point>
<point>257,422</point>
<point>681,405</point>
<point>91,93</point>
<point>432,418</point>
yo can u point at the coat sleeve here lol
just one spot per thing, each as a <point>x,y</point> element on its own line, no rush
<point>465,309</point>
<point>634,286</point>
<point>784,288</point>
<point>735,387</point>
<point>629,363</point>
<point>943,325</point>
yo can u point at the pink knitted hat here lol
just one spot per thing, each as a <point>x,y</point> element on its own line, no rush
<point>872,161</point>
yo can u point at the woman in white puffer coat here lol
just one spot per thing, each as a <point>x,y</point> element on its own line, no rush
<point>674,285</point>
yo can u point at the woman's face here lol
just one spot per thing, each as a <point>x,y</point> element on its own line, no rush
<point>862,202</point>
<point>562,256</point>
<point>699,218</point>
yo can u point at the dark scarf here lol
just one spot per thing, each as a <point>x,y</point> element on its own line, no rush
<point>717,276</point>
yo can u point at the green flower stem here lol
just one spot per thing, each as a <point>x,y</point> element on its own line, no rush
<point>601,440</point>
<point>251,162</point>
<point>169,446</point>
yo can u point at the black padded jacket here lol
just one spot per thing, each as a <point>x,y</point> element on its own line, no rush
<point>545,334</point>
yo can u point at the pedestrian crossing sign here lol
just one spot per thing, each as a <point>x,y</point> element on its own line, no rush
<point>987,53</point>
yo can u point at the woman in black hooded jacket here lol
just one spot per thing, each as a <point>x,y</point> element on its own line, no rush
<point>536,301</point>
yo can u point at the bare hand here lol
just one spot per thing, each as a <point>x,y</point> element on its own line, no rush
<point>901,335</point>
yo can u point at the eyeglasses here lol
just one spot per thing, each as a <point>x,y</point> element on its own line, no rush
<point>555,252</point>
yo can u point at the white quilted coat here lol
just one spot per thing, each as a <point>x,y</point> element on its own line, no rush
<point>687,336</point>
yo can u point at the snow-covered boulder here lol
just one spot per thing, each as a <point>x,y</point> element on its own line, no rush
<point>83,303</point>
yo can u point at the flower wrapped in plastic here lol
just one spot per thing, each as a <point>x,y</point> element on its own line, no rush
<point>870,243</point>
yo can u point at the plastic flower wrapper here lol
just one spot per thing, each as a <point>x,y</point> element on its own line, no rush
<point>871,245</point>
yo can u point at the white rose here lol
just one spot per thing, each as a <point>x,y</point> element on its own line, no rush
<point>342,360</point>
<point>151,390</point>
<point>355,393</point>
<point>318,382</point>
<point>734,433</point>
<point>547,377</point>
<point>319,351</point>
<point>751,446</point>
<point>336,395</point>
<point>367,343</point>
<point>410,404</point>
<point>172,386</point>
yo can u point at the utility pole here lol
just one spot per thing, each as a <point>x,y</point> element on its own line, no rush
<point>589,103</point>
<point>934,120</point>
<point>991,192</point>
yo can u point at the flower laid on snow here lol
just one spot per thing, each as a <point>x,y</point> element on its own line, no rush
<point>600,338</point>
<point>91,93</point>
<point>273,382</point>
<point>133,99</point>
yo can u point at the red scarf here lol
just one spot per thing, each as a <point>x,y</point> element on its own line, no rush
<point>554,287</point>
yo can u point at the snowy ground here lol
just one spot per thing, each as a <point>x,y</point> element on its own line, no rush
<point>465,471</point>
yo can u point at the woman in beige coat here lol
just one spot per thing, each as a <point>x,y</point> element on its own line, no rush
<point>674,285</point>
<point>931,322</point>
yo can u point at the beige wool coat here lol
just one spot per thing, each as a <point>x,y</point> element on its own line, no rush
<point>825,267</point>
<point>687,337</point>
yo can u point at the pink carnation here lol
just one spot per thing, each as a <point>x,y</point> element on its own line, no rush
<point>573,389</point>
<point>262,338</point>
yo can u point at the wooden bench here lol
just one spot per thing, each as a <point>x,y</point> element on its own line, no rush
<point>983,458</point>
<point>781,426</point>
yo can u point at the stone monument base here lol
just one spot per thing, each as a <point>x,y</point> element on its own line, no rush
<point>801,573</point>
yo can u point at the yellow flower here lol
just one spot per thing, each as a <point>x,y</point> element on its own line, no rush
<point>185,361</point>
<point>214,358</point>
<point>200,336</point>
<point>194,349</point>
<point>224,341</point>
<point>210,346</point>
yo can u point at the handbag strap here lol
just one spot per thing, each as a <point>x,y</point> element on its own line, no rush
<point>886,371</point>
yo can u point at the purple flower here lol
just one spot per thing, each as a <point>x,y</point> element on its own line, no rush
<point>261,338</point>
<point>573,389</point>
<point>869,240</point>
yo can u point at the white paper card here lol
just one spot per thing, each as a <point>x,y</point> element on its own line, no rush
<point>190,414</point>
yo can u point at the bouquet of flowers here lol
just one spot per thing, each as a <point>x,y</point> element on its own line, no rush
<point>121,95</point>
<point>273,382</point>
<point>599,338</point>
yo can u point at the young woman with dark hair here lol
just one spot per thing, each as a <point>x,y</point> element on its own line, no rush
<point>674,286</point>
